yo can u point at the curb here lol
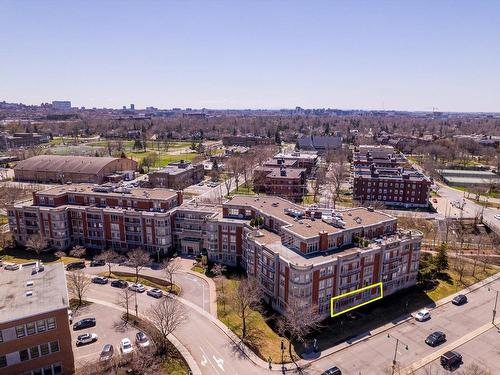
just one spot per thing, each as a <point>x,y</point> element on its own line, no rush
<point>211,289</point>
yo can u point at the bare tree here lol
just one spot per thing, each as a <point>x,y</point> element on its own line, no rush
<point>146,362</point>
<point>36,243</point>
<point>218,272</point>
<point>298,320</point>
<point>167,315</point>
<point>245,299</point>
<point>108,256</point>
<point>78,251</point>
<point>171,267</point>
<point>460,266</point>
<point>138,258</point>
<point>78,284</point>
<point>474,369</point>
<point>60,254</point>
<point>125,300</point>
<point>334,178</point>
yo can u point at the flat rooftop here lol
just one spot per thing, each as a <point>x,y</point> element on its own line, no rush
<point>90,189</point>
<point>297,155</point>
<point>49,292</point>
<point>175,169</point>
<point>467,173</point>
<point>306,227</point>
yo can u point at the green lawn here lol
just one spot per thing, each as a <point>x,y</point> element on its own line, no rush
<point>264,341</point>
<point>163,158</point>
<point>243,189</point>
<point>3,219</point>
<point>18,255</point>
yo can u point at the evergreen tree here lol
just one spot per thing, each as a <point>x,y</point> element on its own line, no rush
<point>441,259</point>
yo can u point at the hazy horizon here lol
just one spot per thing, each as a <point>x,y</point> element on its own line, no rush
<point>411,56</point>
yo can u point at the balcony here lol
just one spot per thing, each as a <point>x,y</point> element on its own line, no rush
<point>350,272</point>
<point>398,258</point>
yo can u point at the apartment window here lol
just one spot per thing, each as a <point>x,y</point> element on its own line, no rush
<point>54,346</point>
<point>44,349</point>
<point>24,355</point>
<point>34,352</point>
<point>3,361</point>
<point>30,328</point>
<point>1,336</point>
<point>51,323</point>
<point>20,332</point>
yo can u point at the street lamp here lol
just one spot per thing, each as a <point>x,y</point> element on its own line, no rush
<point>135,295</point>
<point>282,352</point>
<point>495,307</point>
<point>396,351</point>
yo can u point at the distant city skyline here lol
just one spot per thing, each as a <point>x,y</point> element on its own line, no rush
<point>414,56</point>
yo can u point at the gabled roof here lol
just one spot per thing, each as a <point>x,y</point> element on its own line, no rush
<point>64,164</point>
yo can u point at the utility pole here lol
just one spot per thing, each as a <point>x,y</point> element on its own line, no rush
<point>394,360</point>
<point>495,307</point>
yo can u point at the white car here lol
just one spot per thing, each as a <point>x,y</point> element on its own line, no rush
<point>126,346</point>
<point>137,288</point>
<point>422,315</point>
<point>155,292</point>
<point>497,216</point>
<point>86,338</point>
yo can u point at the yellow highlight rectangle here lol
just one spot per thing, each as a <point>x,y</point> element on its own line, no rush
<point>380,285</point>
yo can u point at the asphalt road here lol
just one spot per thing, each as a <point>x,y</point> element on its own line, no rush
<point>193,288</point>
<point>374,356</point>
<point>214,352</point>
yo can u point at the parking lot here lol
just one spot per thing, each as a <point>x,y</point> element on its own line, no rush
<point>109,327</point>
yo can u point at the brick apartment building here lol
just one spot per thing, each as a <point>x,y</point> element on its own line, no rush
<point>97,217</point>
<point>76,169</point>
<point>312,255</point>
<point>19,140</point>
<point>307,160</point>
<point>379,156</point>
<point>246,140</point>
<point>277,178</point>
<point>392,186</point>
<point>177,175</point>
<point>35,336</point>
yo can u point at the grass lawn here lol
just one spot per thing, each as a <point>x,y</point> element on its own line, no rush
<point>152,282</point>
<point>17,255</point>
<point>3,219</point>
<point>493,194</point>
<point>243,189</point>
<point>163,158</point>
<point>198,269</point>
<point>264,341</point>
<point>309,199</point>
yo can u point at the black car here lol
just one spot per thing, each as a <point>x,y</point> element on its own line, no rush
<point>119,284</point>
<point>97,263</point>
<point>75,266</point>
<point>435,338</point>
<point>84,323</point>
<point>333,371</point>
<point>451,360</point>
<point>459,300</point>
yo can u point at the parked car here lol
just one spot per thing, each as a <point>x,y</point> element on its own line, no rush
<point>333,371</point>
<point>497,216</point>
<point>100,280</point>
<point>70,316</point>
<point>435,338</point>
<point>450,360</point>
<point>141,339</point>
<point>75,265</point>
<point>137,288</point>
<point>84,323</point>
<point>97,263</point>
<point>1,263</point>
<point>107,352</point>
<point>119,284</point>
<point>12,267</point>
<point>422,315</point>
<point>126,346</point>
<point>86,338</point>
<point>155,292</point>
<point>459,300</point>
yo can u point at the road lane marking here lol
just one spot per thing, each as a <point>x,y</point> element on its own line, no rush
<point>220,362</point>
<point>209,361</point>
<point>438,353</point>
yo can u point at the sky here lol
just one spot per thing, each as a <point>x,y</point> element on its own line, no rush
<point>401,55</point>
